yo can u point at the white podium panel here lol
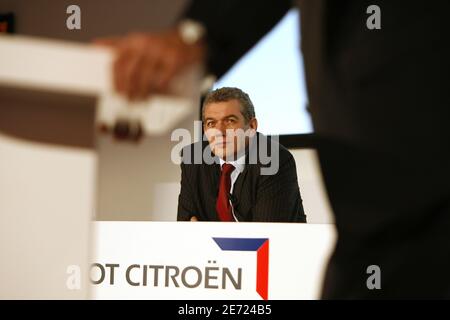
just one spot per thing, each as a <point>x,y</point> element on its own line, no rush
<point>48,167</point>
<point>209,260</point>
<point>47,198</point>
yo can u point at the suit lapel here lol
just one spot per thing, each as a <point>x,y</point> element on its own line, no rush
<point>240,181</point>
<point>238,185</point>
<point>241,191</point>
<point>212,190</point>
<point>210,184</point>
<point>214,176</point>
<point>212,170</point>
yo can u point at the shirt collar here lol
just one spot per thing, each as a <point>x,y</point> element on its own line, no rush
<point>239,163</point>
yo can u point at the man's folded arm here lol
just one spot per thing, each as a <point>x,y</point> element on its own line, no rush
<point>278,196</point>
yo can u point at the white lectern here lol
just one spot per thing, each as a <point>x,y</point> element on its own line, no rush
<point>49,93</point>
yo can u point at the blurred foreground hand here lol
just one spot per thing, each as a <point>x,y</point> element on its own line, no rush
<point>145,63</point>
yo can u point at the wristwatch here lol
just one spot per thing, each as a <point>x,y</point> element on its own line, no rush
<point>191,31</point>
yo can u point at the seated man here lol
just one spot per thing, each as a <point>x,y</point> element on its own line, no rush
<point>237,174</point>
<point>232,177</point>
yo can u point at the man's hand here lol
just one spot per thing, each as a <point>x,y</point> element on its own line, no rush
<point>194,218</point>
<point>147,62</point>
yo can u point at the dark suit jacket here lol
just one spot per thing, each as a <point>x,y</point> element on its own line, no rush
<point>379,101</point>
<point>256,197</point>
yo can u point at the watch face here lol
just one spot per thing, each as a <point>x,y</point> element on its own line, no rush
<point>6,22</point>
<point>191,31</point>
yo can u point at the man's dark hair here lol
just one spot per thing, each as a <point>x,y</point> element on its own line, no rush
<point>230,93</point>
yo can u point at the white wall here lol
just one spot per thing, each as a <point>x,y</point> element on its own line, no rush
<point>138,181</point>
<point>315,201</point>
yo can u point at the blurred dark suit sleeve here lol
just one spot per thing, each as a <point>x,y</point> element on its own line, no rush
<point>234,27</point>
<point>380,107</point>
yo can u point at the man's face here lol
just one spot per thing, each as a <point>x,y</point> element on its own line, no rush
<point>226,129</point>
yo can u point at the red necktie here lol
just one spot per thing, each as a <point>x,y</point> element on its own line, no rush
<point>223,206</point>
